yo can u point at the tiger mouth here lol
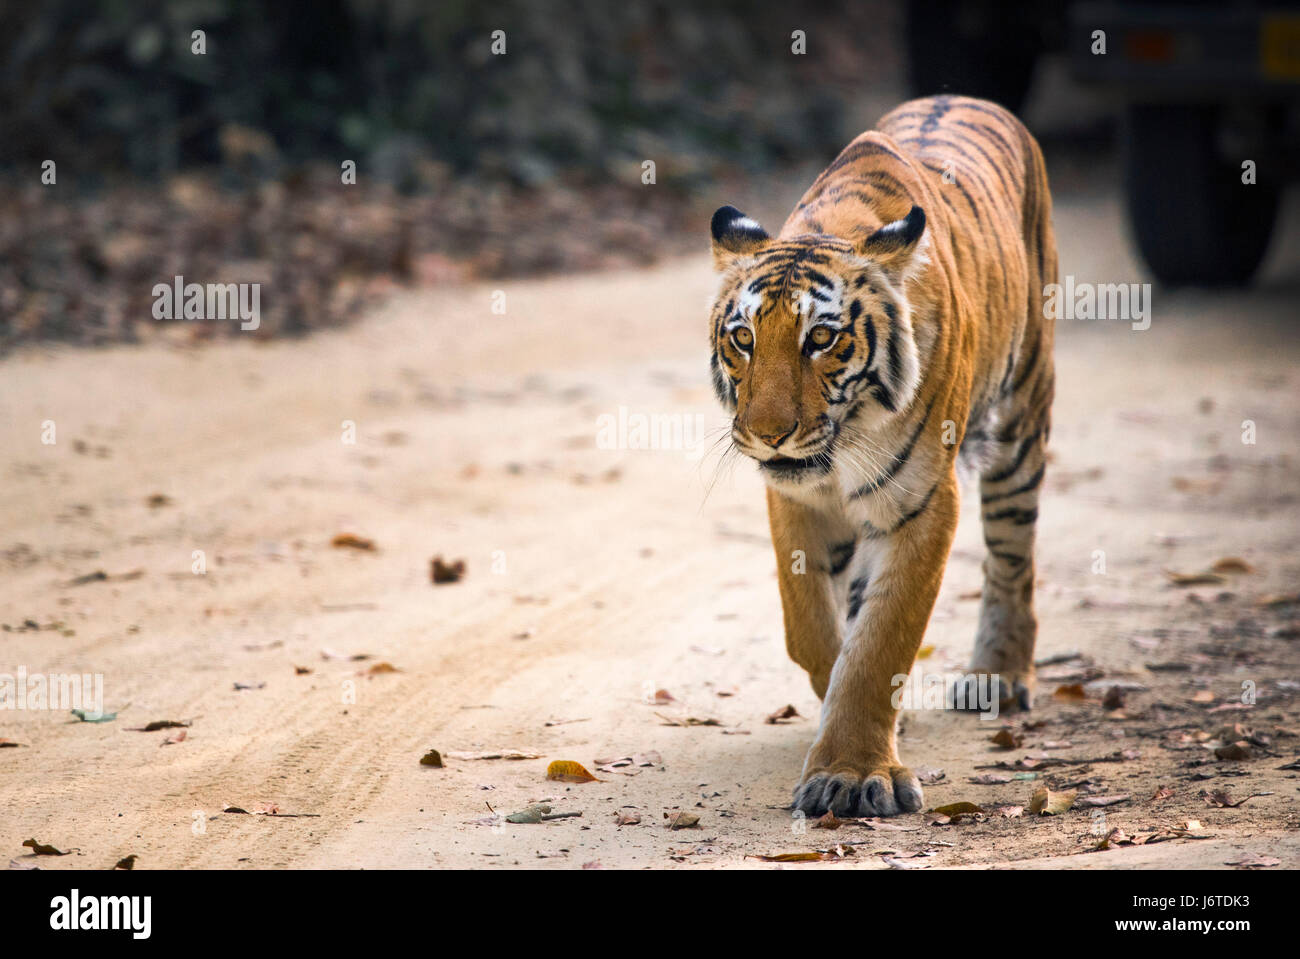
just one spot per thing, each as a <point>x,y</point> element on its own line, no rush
<point>786,466</point>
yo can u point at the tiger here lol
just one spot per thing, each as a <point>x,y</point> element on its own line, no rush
<point>891,332</point>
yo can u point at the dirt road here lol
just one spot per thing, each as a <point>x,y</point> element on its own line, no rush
<point>595,576</point>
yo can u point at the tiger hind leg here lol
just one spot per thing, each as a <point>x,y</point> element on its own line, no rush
<point>1008,628</point>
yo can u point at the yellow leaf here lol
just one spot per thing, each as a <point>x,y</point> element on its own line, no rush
<point>568,771</point>
<point>1047,803</point>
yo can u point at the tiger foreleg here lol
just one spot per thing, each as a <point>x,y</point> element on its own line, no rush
<point>853,767</point>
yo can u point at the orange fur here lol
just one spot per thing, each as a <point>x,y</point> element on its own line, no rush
<point>895,320</point>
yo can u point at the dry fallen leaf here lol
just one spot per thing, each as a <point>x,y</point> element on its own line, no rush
<point>1236,751</point>
<point>1232,564</point>
<point>174,738</point>
<point>382,668</point>
<point>1193,579</point>
<point>827,821</point>
<point>127,862</point>
<point>956,810</point>
<point>1070,693</point>
<point>441,572</point>
<point>352,541</point>
<point>568,771</point>
<point>1223,799</point>
<point>822,855</point>
<point>1008,739</point>
<point>627,817</point>
<point>784,713</point>
<point>687,721</point>
<point>432,758</point>
<point>989,779</point>
<point>41,849</point>
<point>1047,803</point>
<point>1164,792</point>
<point>681,819</point>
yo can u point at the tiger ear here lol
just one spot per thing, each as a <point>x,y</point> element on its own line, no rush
<point>895,245</point>
<point>735,235</point>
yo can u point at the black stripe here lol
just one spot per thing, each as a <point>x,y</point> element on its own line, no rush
<point>900,458</point>
<point>1031,483</point>
<point>1025,446</point>
<point>1020,517</point>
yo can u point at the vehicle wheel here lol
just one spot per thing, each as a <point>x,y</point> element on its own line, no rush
<point>1195,222</point>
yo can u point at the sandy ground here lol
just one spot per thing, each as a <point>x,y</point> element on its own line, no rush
<point>594,576</point>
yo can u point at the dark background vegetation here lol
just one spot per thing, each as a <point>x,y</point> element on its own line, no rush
<point>225,167</point>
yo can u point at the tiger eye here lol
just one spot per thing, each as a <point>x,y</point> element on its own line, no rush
<point>743,336</point>
<point>822,335</point>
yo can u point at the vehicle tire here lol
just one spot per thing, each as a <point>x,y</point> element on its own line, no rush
<point>1195,222</point>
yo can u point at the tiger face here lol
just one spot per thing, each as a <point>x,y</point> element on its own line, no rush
<point>812,340</point>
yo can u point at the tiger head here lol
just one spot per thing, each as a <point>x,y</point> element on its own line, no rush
<point>812,340</point>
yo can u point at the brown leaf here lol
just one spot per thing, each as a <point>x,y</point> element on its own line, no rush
<point>1008,739</point>
<point>821,855</point>
<point>1223,799</point>
<point>1232,564</point>
<point>1164,792</point>
<point>174,738</point>
<point>956,810</point>
<point>1071,693</point>
<point>127,862</point>
<point>10,744</point>
<point>1048,803</point>
<point>785,712</point>
<point>681,819</point>
<point>432,758</point>
<point>662,697</point>
<point>1114,698</point>
<point>626,817</point>
<point>352,541</point>
<point>1193,579</point>
<point>41,849</point>
<point>1007,812</point>
<point>687,721</point>
<point>827,821</point>
<point>1279,599</point>
<point>378,668</point>
<point>568,771</point>
<point>441,572</point>
<point>1236,751</point>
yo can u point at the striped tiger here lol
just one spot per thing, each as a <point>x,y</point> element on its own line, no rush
<point>893,330</point>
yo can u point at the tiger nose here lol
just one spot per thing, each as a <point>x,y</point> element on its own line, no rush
<point>775,439</point>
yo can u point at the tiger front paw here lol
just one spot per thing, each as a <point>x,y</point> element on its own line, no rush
<point>852,791</point>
